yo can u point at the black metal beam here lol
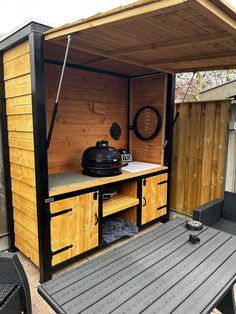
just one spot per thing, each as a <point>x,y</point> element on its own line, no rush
<point>5,155</point>
<point>129,114</point>
<point>170,104</point>
<point>146,75</point>
<point>22,34</point>
<point>85,68</point>
<point>40,152</point>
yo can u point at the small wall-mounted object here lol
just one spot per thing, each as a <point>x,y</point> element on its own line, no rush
<point>99,108</point>
<point>115,131</point>
<point>232,126</point>
<point>147,123</point>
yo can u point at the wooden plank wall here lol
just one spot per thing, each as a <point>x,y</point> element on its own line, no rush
<point>149,91</point>
<point>199,153</point>
<point>76,126</point>
<point>17,80</point>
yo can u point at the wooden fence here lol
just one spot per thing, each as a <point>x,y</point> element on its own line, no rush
<point>199,153</point>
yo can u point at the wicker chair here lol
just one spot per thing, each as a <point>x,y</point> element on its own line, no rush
<point>219,214</point>
<point>12,272</point>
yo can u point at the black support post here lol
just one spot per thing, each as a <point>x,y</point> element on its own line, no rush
<point>170,103</point>
<point>40,149</point>
<point>6,162</point>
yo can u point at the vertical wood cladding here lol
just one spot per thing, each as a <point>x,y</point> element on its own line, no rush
<point>17,79</point>
<point>77,126</point>
<point>198,160</point>
<point>149,91</point>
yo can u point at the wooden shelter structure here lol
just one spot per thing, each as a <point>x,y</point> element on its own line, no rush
<point>120,60</point>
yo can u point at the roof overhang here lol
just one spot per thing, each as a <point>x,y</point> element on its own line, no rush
<point>149,36</point>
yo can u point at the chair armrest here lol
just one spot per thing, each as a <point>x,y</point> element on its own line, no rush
<point>208,213</point>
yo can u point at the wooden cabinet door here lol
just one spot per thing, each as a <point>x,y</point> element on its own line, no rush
<point>74,226</point>
<point>154,197</point>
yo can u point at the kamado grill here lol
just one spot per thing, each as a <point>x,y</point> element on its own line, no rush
<point>102,160</point>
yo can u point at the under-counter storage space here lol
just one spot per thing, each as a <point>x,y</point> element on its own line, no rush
<point>124,198</point>
<point>74,226</point>
<point>154,197</point>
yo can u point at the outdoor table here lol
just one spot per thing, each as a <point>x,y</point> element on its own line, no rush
<point>9,298</point>
<point>158,272</point>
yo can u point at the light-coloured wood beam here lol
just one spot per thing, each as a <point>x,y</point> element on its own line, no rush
<point>215,14</point>
<point>122,15</point>
<point>208,68</point>
<point>210,56</point>
<point>177,43</point>
<point>98,52</point>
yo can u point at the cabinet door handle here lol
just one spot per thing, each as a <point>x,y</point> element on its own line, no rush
<point>145,201</point>
<point>96,217</point>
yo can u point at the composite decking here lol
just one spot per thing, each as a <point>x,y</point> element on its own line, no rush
<point>158,272</point>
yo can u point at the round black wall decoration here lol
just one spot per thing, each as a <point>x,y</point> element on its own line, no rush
<point>147,123</point>
<point>115,131</point>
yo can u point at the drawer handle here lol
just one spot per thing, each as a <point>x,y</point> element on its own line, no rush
<point>97,220</point>
<point>145,201</point>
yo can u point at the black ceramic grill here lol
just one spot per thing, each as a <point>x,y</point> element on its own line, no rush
<point>101,160</point>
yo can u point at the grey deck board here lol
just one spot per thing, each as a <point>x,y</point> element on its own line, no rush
<point>102,261</point>
<point>136,261</point>
<point>158,272</point>
<point>138,293</point>
<point>174,296</point>
<point>200,298</point>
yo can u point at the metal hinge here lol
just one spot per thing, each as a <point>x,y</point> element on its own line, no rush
<point>61,250</point>
<point>162,182</point>
<point>62,212</point>
<point>144,182</point>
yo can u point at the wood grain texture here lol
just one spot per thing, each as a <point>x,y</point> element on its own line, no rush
<point>149,91</point>
<point>21,148</point>
<point>118,203</point>
<point>184,36</point>
<point>200,140</point>
<point>19,105</point>
<point>77,127</point>
<point>154,197</point>
<point>23,174</point>
<point>20,123</point>
<point>16,52</point>
<point>22,157</point>
<point>18,86</point>
<point>78,227</point>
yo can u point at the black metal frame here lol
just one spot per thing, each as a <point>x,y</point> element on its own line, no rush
<point>170,103</point>
<point>33,32</point>
<point>21,34</point>
<point>40,150</point>
<point>6,162</point>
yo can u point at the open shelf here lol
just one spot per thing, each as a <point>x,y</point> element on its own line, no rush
<point>118,203</point>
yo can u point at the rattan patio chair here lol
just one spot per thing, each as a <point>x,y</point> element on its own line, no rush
<point>12,272</point>
<point>219,214</point>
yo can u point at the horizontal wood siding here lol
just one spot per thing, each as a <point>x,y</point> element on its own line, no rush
<point>199,153</point>
<point>77,127</point>
<point>21,148</point>
<point>149,91</point>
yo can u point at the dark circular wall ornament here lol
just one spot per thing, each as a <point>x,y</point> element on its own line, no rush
<point>147,123</point>
<point>115,131</point>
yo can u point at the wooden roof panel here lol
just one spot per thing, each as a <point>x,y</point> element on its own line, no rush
<point>166,35</point>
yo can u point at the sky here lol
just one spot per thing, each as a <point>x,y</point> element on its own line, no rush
<point>53,12</point>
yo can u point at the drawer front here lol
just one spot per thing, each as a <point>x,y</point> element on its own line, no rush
<point>154,202</point>
<point>74,226</point>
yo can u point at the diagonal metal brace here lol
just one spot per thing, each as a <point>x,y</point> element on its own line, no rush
<point>54,113</point>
